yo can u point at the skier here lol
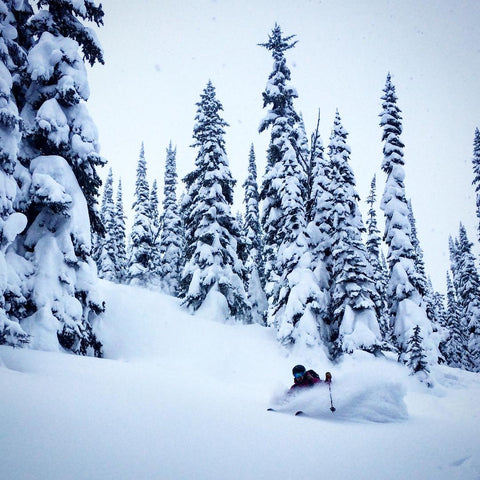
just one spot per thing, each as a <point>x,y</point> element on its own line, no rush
<point>304,378</point>
<point>307,378</point>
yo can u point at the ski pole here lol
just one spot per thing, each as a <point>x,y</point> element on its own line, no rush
<point>332,408</point>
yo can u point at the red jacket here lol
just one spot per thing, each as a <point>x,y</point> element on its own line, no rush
<point>308,380</point>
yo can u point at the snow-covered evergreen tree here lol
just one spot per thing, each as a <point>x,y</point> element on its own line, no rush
<point>319,213</point>
<point>295,299</point>
<point>419,261</point>
<point>320,229</point>
<point>467,282</point>
<point>404,289</point>
<point>172,234</point>
<point>373,233</point>
<point>120,237</point>
<point>303,153</point>
<point>213,270</point>
<point>455,347</point>
<point>17,41</point>
<point>353,293</point>
<point>416,356</point>
<point>282,118</point>
<point>141,238</point>
<point>436,302</point>
<point>439,305</point>
<point>424,283</point>
<point>375,256</point>
<point>106,247</point>
<point>60,150</point>
<point>13,268</point>
<point>476,172</point>
<point>55,116</point>
<point>155,220</point>
<point>154,211</point>
<point>254,244</point>
<point>426,289</point>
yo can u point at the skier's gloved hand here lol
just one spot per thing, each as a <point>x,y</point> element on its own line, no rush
<point>328,377</point>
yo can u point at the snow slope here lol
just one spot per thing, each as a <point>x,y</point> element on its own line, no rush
<point>183,397</point>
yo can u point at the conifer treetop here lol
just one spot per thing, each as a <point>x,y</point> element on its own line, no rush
<point>339,152</point>
<point>170,182</point>
<point>209,126</point>
<point>278,93</point>
<point>373,233</point>
<point>251,200</point>
<point>278,44</point>
<point>391,121</point>
<point>141,185</point>
<point>476,160</point>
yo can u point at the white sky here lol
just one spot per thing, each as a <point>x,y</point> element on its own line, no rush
<point>160,54</point>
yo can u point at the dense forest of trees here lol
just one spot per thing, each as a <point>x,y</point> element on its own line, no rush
<point>299,259</point>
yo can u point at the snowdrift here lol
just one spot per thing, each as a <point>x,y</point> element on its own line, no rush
<point>373,401</point>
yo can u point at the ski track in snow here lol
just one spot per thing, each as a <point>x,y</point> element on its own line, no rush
<point>184,397</point>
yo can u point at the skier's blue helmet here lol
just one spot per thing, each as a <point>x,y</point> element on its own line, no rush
<point>298,371</point>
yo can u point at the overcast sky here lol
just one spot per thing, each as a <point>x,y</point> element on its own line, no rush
<point>160,54</point>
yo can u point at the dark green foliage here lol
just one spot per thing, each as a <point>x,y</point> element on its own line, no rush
<point>416,358</point>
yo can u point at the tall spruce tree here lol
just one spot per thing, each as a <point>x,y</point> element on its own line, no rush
<point>141,237</point>
<point>455,347</point>
<point>13,268</point>
<point>468,294</point>
<point>295,299</point>
<point>213,270</point>
<point>155,268</point>
<point>418,257</point>
<point>315,153</point>
<point>60,153</point>
<point>154,211</point>
<point>425,285</point>
<point>320,228</point>
<point>453,248</point>
<point>107,251</point>
<point>254,244</point>
<point>353,292</point>
<point>439,305</point>
<point>282,117</point>
<point>319,209</point>
<point>476,172</point>
<point>120,237</point>
<point>303,153</point>
<point>404,289</point>
<point>373,233</point>
<point>375,255</point>
<point>172,234</point>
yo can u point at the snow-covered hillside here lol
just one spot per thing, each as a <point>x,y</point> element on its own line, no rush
<point>182,397</point>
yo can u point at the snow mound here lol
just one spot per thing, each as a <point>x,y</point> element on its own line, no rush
<point>381,402</point>
<point>364,389</point>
